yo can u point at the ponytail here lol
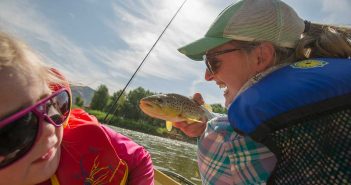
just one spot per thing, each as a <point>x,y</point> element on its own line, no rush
<point>320,40</point>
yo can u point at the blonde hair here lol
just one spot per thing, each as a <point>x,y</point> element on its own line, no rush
<point>16,54</point>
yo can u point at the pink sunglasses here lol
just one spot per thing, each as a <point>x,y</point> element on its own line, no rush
<point>19,131</point>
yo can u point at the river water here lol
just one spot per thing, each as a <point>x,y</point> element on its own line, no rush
<point>172,155</point>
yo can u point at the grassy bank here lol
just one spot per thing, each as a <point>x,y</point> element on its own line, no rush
<point>141,126</point>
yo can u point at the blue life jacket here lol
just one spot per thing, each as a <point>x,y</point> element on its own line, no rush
<point>291,87</point>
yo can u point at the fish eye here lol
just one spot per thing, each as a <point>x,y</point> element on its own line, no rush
<point>159,101</point>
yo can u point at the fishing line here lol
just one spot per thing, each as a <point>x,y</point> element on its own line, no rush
<point>113,108</point>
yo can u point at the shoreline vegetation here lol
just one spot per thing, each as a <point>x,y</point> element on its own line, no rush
<point>142,126</point>
<point>127,114</point>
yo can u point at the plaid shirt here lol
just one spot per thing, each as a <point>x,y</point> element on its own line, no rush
<point>225,157</point>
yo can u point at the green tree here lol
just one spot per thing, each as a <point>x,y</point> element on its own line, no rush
<point>131,108</point>
<point>117,106</point>
<point>100,98</point>
<point>218,108</point>
<point>79,101</point>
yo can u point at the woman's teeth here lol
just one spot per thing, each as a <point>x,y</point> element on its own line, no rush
<point>226,91</point>
<point>224,88</point>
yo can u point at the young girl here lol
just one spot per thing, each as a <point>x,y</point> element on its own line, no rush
<point>43,141</point>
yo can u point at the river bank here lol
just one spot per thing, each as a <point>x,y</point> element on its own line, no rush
<point>144,126</point>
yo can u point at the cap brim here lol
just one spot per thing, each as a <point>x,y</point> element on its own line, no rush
<point>197,49</point>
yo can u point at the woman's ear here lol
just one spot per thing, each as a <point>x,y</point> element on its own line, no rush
<point>265,53</point>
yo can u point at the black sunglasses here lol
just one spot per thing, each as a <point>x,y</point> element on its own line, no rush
<point>210,59</point>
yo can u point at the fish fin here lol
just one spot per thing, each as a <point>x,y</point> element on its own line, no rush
<point>208,107</point>
<point>189,120</point>
<point>169,125</point>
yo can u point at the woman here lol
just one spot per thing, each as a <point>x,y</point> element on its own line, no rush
<point>247,42</point>
<point>44,142</point>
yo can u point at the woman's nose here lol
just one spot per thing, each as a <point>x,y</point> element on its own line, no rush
<point>208,75</point>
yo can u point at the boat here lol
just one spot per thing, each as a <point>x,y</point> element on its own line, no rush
<point>166,177</point>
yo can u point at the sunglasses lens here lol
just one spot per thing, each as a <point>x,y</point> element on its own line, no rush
<point>17,138</point>
<point>212,64</point>
<point>209,68</point>
<point>58,108</point>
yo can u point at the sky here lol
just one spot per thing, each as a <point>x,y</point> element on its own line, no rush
<point>96,42</point>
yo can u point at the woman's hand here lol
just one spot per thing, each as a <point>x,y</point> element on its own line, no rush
<point>196,129</point>
<point>191,130</point>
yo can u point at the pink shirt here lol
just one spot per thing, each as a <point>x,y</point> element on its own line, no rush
<point>140,168</point>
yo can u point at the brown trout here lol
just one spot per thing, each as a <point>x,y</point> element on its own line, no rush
<point>174,108</point>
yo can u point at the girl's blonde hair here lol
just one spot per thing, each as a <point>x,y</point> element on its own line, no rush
<point>16,54</point>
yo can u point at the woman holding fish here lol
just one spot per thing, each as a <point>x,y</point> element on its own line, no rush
<point>253,43</point>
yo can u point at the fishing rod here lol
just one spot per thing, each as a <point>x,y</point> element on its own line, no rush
<point>112,110</point>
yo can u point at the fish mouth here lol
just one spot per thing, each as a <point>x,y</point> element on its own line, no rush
<point>148,105</point>
<point>150,108</point>
<point>156,111</point>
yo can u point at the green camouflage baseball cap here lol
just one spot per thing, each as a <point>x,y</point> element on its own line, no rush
<point>250,20</point>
